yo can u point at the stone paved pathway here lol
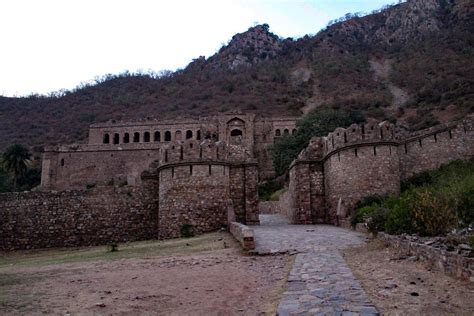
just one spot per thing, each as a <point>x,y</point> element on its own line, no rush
<point>320,282</point>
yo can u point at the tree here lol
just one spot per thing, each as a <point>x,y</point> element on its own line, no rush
<point>15,161</point>
<point>315,123</point>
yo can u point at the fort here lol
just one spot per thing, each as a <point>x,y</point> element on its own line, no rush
<point>120,151</point>
<point>152,179</point>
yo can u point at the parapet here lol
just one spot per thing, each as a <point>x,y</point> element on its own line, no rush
<point>207,150</point>
<point>370,132</point>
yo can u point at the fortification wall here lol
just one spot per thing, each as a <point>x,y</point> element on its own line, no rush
<point>199,181</point>
<point>76,218</point>
<point>430,148</point>
<point>350,176</point>
<point>359,160</point>
<point>76,169</point>
<point>196,195</point>
<point>369,159</point>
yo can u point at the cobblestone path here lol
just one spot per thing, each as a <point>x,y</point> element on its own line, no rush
<point>320,282</point>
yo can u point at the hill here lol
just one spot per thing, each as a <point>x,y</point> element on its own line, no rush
<point>410,62</point>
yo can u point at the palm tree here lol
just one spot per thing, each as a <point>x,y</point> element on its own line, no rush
<point>15,160</point>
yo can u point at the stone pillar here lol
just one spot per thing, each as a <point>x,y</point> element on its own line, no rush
<point>251,195</point>
<point>318,200</point>
<point>302,178</point>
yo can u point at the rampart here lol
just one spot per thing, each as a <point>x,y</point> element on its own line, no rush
<point>76,218</point>
<point>200,181</point>
<point>336,171</point>
<point>193,184</point>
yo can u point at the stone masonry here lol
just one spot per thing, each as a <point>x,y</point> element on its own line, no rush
<point>118,152</point>
<point>336,171</point>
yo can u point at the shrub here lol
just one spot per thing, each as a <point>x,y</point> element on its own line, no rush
<point>399,216</point>
<point>417,180</point>
<point>377,219</point>
<point>362,213</point>
<point>112,247</point>
<point>187,230</point>
<point>465,208</point>
<point>369,200</point>
<point>431,213</point>
<point>268,188</point>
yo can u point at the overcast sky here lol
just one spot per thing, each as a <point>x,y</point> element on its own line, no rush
<point>47,45</point>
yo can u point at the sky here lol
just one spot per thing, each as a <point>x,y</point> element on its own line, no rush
<point>48,45</point>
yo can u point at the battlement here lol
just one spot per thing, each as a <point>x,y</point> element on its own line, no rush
<point>192,151</point>
<point>370,132</point>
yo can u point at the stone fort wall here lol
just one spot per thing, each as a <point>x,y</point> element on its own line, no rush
<point>121,151</point>
<point>76,218</point>
<point>335,171</point>
<point>196,183</point>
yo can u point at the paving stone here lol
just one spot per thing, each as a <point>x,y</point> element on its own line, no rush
<point>320,282</point>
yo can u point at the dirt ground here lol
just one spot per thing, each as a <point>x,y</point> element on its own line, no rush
<point>404,287</point>
<point>217,282</point>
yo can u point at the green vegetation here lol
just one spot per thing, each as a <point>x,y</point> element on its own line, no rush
<point>187,230</point>
<point>16,171</point>
<point>267,190</point>
<point>140,249</point>
<point>431,203</point>
<point>315,123</point>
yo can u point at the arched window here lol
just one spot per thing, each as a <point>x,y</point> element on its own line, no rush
<point>198,135</point>
<point>189,134</point>
<point>277,132</point>
<point>236,132</point>
<point>106,139</point>
<point>62,162</point>
<point>136,137</point>
<point>167,136</point>
<point>286,131</point>
<point>157,137</point>
<point>215,137</point>
<point>177,135</point>
<point>293,131</point>
<point>116,138</point>
<point>126,138</point>
<point>146,137</point>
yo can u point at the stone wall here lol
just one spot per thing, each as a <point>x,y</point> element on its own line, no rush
<point>197,195</point>
<point>190,183</point>
<point>336,171</point>
<point>199,180</point>
<point>76,218</point>
<point>451,263</point>
<point>350,176</point>
<point>79,167</point>
<point>429,149</point>
<point>243,234</point>
<point>121,151</point>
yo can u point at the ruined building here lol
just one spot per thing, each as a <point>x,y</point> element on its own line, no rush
<point>118,152</point>
<point>137,181</point>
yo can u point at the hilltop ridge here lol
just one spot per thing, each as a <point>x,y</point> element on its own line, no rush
<point>411,62</point>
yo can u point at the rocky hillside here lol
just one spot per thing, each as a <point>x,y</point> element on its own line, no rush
<point>411,62</point>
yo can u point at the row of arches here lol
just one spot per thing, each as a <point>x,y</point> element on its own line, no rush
<point>286,131</point>
<point>147,137</point>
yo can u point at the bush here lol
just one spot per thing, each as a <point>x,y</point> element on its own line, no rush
<point>432,215</point>
<point>417,180</point>
<point>369,200</point>
<point>399,216</point>
<point>267,189</point>
<point>187,230</point>
<point>362,213</point>
<point>377,219</point>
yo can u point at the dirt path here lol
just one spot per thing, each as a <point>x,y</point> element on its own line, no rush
<point>220,282</point>
<point>404,287</point>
